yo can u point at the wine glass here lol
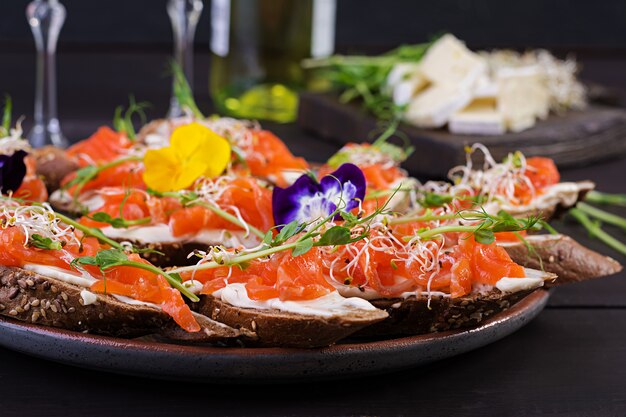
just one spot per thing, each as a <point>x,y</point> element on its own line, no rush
<point>46,18</point>
<point>184,15</point>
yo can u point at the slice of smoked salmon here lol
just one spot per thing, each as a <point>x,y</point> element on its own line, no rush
<point>32,187</point>
<point>148,287</point>
<point>126,175</point>
<point>244,195</point>
<point>301,277</point>
<point>14,251</point>
<point>104,145</point>
<point>268,157</point>
<point>541,172</point>
<point>489,263</point>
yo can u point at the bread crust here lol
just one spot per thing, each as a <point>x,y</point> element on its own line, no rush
<point>34,298</point>
<point>277,328</point>
<point>563,256</point>
<point>53,165</point>
<point>170,254</point>
<point>419,314</point>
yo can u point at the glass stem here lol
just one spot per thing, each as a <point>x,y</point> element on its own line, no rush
<point>184,15</point>
<point>46,19</point>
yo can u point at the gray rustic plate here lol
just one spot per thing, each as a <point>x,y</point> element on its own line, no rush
<point>259,365</point>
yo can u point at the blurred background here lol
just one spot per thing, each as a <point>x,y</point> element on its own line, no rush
<point>108,49</point>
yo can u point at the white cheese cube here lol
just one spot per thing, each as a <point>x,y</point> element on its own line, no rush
<point>479,118</point>
<point>405,90</point>
<point>521,123</point>
<point>449,62</point>
<point>485,88</point>
<point>434,106</point>
<point>401,71</point>
<point>522,96</point>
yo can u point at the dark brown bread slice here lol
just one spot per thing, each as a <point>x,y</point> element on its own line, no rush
<point>34,298</point>
<point>63,202</point>
<point>277,328</point>
<point>416,315</point>
<point>170,254</point>
<point>53,165</point>
<point>563,256</point>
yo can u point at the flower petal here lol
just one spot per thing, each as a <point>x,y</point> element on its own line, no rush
<point>307,200</point>
<point>162,169</point>
<point>12,171</point>
<point>202,150</point>
<point>287,202</point>
<point>220,152</point>
<point>187,139</point>
<point>346,184</point>
<point>194,151</point>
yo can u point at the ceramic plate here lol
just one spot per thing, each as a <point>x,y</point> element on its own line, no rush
<point>250,365</point>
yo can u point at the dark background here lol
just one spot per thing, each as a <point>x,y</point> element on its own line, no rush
<point>551,23</point>
<point>127,43</point>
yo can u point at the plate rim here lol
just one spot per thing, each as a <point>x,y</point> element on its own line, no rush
<point>523,311</point>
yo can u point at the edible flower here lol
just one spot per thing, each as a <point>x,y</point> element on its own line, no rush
<point>195,151</point>
<point>308,200</point>
<point>12,171</point>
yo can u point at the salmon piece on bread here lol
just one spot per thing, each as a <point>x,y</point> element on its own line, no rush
<point>32,297</point>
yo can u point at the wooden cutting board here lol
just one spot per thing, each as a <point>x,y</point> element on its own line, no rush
<point>572,139</point>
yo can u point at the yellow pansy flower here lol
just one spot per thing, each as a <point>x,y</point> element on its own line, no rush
<point>195,151</point>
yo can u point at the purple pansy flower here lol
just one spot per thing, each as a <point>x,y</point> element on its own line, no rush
<point>307,200</point>
<point>12,171</point>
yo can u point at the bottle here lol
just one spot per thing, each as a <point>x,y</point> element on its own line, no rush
<point>257,47</point>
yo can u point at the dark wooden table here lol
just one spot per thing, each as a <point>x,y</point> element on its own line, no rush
<point>570,361</point>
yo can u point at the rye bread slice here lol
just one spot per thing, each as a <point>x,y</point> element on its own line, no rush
<point>416,315</point>
<point>34,298</point>
<point>563,256</point>
<point>53,165</point>
<point>169,254</point>
<point>420,313</point>
<point>278,328</point>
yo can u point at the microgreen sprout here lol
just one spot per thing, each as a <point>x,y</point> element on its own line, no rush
<point>123,120</point>
<point>5,129</point>
<point>594,229</point>
<point>484,225</point>
<point>182,91</point>
<point>606,198</point>
<point>364,78</point>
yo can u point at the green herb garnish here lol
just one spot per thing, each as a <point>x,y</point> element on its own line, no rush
<point>117,222</point>
<point>5,129</point>
<point>182,91</point>
<point>123,120</point>
<point>364,78</point>
<point>485,228</point>
<point>41,242</point>
<point>595,230</point>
